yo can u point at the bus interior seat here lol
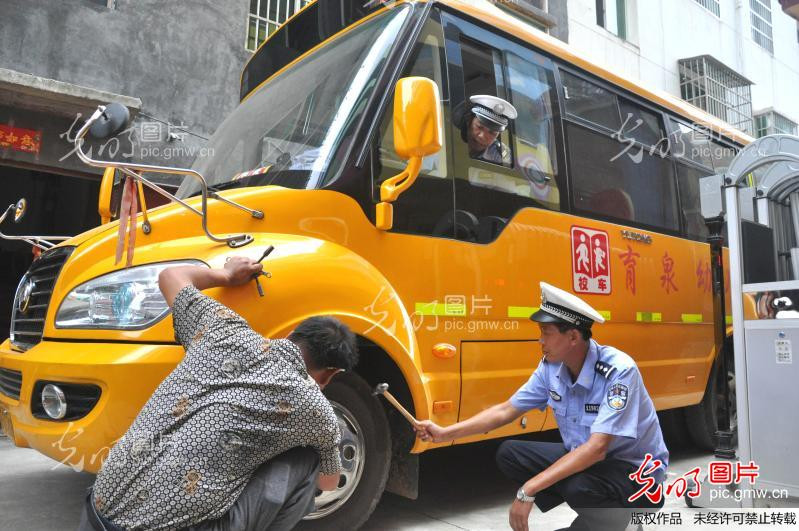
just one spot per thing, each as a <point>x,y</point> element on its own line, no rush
<point>613,202</point>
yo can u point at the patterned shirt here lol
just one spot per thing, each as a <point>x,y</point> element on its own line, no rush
<point>235,401</point>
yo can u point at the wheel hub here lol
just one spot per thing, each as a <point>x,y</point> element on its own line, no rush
<point>353,455</point>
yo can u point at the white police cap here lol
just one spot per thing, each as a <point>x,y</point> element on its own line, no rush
<point>559,306</point>
<point>494,112</point>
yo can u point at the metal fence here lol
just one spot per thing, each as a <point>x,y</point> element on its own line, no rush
<point>771,122</point>
<point>266,16</point>
<point>760,13</point>
<point>710,5</point>
<point>719,90</point>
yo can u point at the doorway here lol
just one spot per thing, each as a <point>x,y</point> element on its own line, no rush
<point>57,205</point>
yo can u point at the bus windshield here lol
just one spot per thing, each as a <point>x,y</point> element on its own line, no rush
<point>287,131</point>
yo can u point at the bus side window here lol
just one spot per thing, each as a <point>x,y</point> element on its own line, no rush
<point>623,174</point>
<point>532,90</point>
<point>691,143</point>
<point>722,156</point>
<point>482,76</point>
<point>590,102</point>
<point>424,207</point>
<point>688,179</point>
<point>488,194</point>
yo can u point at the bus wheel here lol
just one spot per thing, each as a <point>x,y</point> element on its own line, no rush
<point>702,419</point>
<point>674,428</point>
<point>365,457</point>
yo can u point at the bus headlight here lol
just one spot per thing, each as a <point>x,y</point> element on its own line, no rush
<point>124,300</point>
<point>53,401</point>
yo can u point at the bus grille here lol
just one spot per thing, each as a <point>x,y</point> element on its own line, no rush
<point>10,383</point>
<point>27,328</point>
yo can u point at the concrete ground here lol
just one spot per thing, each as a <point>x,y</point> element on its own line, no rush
<point>460,489</point>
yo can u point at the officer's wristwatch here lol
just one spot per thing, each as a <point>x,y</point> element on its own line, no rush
<point>524,498</point>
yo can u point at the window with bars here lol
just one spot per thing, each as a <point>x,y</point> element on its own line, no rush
<point>266,16</point>
<point>710,5</point>
<point>771,123</point>
<point>760,13</point>
<point>710,85</point>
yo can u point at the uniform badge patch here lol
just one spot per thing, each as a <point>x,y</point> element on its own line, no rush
<point>592,408</point>
<point>617,396</point>
<point>555,396</point>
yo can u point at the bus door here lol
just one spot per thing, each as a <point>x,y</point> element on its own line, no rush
<point>502,207</point>
<point>417,257</point>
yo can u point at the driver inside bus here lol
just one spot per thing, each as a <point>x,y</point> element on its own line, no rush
<point>481,120</point>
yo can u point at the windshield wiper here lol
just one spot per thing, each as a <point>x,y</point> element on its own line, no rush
<point>225,186</point>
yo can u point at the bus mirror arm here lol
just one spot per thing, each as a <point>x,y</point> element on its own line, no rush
<point>42,242</point>
<point>391,189</point>
<point>135,172</point>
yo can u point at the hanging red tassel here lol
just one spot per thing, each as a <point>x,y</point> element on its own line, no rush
<point>127,221</point>
<point>134,207</point>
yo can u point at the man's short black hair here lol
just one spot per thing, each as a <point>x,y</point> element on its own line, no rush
<point>327,342</point>
<point>565,327</point>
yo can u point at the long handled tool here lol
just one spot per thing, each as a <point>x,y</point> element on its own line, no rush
<point>382,389</point>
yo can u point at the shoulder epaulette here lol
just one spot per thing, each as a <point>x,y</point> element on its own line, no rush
<point>603,368</point>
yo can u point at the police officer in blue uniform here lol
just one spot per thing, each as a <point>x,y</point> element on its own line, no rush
<point>605,417</point>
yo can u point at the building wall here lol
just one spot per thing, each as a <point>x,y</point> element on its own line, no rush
<point>173,62</point>
<point>664,31</point>
<point>181,58</point>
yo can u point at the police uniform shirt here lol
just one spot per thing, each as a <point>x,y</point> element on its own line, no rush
<point>608,397</point>
<point>494,153</point>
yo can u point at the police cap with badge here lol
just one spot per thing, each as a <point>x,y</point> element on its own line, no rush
<point>559,306</point>
<point>494,113</point>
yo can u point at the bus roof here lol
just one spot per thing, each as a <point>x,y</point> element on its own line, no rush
<point>492,15</point>
<point>489,13</point>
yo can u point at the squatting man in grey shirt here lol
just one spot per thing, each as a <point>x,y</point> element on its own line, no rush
<point>239,436</point>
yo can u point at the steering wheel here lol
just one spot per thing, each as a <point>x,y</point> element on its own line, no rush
<point>461,223</point>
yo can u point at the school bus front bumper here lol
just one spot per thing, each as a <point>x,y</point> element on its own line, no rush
<point>107,383</point>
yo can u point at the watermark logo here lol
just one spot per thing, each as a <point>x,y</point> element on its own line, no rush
<point>457,312</point>
<point>719,473</point>
<point>694,142</point>
<point>67,445</point>
<point>152,138</point>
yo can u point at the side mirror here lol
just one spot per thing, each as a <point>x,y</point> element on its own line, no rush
<point>417,134</point>
<point>19,210</point>
<point>113,120</point>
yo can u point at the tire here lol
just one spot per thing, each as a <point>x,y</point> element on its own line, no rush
<point>674,428</point>
<point>365,454</point>
<point>702,419</point>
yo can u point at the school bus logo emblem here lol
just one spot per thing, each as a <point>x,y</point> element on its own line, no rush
<point>25,296</point>
<point>590,261</point>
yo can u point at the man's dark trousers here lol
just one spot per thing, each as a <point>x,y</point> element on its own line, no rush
<point>279,494</point>
<point>598,494</point>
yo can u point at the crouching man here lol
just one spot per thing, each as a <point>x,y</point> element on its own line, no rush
<point>605,417</point>
<point>239,436</point>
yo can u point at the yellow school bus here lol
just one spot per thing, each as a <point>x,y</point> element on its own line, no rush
<point>344,143</point>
